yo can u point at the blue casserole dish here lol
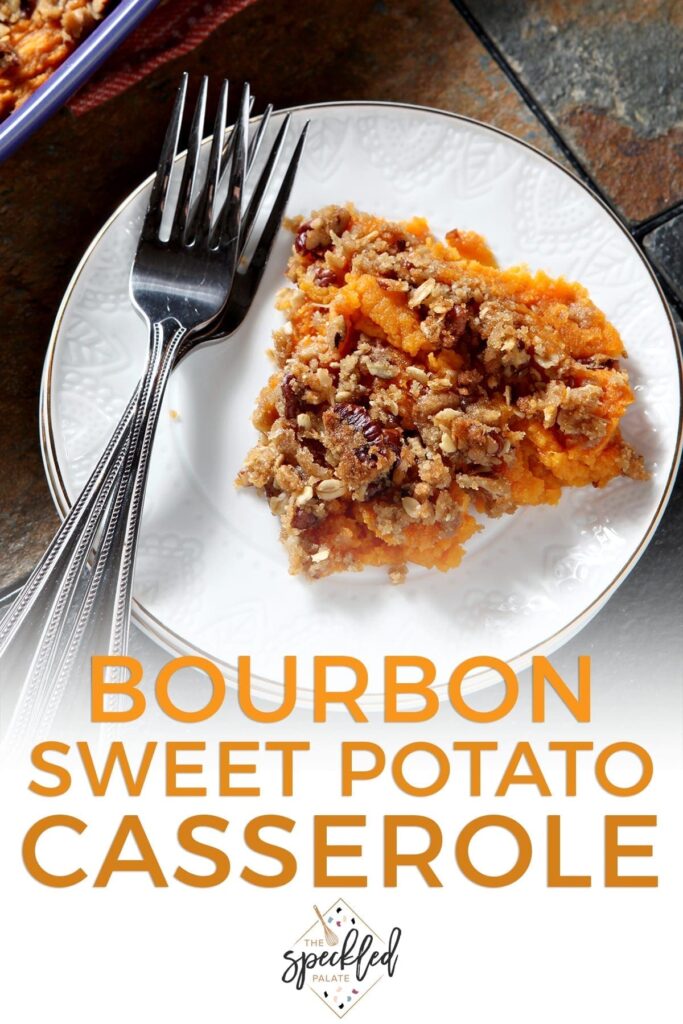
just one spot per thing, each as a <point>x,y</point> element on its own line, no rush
<point>73,73</point>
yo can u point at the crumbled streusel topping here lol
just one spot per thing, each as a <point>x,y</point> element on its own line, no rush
<point>416,380</point>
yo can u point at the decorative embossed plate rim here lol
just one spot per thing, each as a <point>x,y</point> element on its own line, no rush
<point>538,165</point>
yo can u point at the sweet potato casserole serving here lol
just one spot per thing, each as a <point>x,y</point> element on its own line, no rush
<point>35,37</point>
<point>416,384</point>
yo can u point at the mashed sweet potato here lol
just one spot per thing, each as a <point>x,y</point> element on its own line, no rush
<point>418,383</point>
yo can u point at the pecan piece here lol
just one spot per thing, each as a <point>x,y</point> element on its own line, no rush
<point>304,519</point>
<point>316,448</point>
<point>290,398</point>
<point>380,439</point>
<point>325,276</point>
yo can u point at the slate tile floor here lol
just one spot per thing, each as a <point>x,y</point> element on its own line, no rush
<point>607,81</point>
<point>608,78</point>
<point>593,83</point>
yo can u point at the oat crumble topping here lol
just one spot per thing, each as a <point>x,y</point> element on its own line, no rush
<point>416,383</point>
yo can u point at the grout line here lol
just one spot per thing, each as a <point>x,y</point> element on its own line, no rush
<point>531,102</point>
<point>637,231</point>
<point>656,220</point>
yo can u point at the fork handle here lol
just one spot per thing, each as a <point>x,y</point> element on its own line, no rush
<point>103,618</point>
<point>47,595</point>
<point>30,658</point>
<point>122,527</point>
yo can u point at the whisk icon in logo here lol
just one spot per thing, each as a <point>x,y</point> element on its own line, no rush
<point>340,957</point>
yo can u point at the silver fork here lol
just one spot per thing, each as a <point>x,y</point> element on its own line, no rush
<point>103,617</point>
<point>40,605</point>
<point>179,285</point>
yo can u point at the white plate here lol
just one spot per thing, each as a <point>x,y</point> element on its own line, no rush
<point>212,575</point>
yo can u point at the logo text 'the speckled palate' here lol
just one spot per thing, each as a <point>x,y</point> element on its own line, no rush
<point>340,958</point>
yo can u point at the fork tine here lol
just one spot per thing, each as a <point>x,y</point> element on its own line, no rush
<point>230,144</point>
<point>182,211</point>
<point>201,218</point>
<point>256,198</point>
<point>227,230</point>
<point>257,138</point>
<point>157,199</point>
<point>254,143</point>
<point>258,261</point>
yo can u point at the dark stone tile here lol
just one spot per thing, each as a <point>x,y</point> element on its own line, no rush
<point>664,246</point>
<point>609,77</point>
<point>57,191</point>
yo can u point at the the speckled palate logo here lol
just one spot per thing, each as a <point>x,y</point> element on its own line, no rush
<point>340,957</point>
